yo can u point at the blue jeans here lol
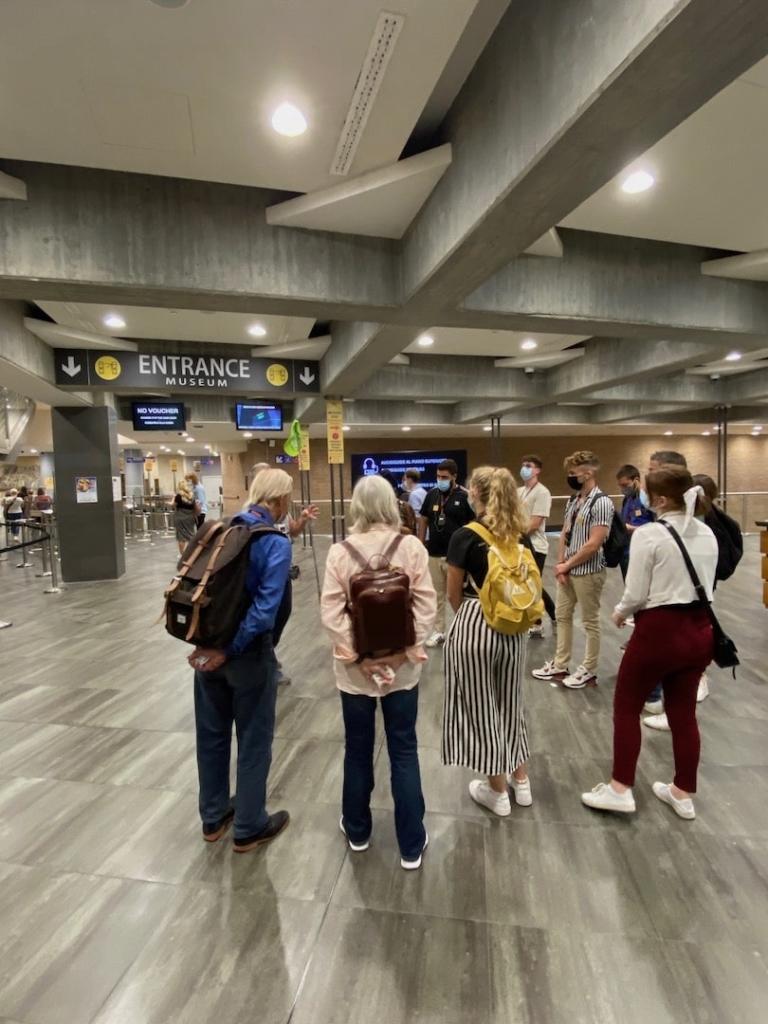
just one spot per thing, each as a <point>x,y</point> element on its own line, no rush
<point>400,710</point>
<point>243,691</point>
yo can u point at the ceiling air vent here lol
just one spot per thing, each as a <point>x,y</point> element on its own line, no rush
<point>367,87</point>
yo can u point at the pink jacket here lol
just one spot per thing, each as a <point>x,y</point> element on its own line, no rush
<point>412,557</point>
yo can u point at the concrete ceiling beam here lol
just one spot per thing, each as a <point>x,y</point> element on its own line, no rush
<point>680,388</point>
<point>477,412</point>
<point>746,387</point>
<point>460,378</point>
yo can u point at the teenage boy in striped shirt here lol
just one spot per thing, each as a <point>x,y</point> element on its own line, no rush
<point>580,571</point>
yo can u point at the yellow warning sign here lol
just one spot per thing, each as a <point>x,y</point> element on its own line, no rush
<point>108,368</point>
<point>304,460</point>
<point>334,419</point>
<point>174,466</point>
<point>277,375</point>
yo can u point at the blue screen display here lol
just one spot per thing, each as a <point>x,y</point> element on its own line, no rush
<point>258,416</point>
<point>397,463</point>
<point>158,415</point>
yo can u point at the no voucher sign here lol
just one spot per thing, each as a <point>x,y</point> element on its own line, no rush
<point>241,375</point>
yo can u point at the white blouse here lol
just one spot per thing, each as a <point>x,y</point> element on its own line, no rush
<point>657,574</point>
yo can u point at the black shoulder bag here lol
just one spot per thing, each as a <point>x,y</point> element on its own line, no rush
<point>725,654</point>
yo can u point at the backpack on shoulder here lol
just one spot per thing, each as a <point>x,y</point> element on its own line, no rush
<point>730,543</point>
<point>207,599</point>
<point>511,595</point>
<point>380,603</point>
<point>617,541</point>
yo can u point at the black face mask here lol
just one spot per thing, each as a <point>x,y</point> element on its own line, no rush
<point>574,483</point>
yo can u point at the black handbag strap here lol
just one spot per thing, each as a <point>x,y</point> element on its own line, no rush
<point>697,584</point>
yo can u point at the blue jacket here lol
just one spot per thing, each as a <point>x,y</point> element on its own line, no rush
<point>635,512</point>
<point>266,582</point>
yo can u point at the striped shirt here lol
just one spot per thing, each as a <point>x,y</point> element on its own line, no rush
<point>581,514</point>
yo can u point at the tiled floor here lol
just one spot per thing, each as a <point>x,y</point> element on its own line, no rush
<point>112,909</point>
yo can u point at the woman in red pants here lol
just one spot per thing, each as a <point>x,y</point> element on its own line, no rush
<point>672,642</point>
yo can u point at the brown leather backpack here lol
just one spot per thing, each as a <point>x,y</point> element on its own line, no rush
<point>380,603</point>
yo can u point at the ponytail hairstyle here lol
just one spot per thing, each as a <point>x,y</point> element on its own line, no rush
<point>497,490</point>
<point>673,482</point>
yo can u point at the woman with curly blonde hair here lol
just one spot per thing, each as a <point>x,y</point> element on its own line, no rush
<point>483,720</point>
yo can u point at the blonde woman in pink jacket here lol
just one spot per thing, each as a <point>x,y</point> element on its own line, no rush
<point>375,520</point>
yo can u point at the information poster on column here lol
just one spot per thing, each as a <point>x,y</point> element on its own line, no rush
<point>334,419</point>
<point>304,458</point>
<point>86,490</point>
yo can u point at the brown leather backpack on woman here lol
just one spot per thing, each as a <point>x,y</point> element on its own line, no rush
<point>380,603</point>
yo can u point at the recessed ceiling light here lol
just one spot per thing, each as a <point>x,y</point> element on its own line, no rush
<point>488,429</point>
<point>247,433</point>
<point>667,433</point>
<point>346,428</point>
<point>170,4</point>
<point>189,440</point>
<point>33,451</point>
<point>426,340</point>
<point>638,181</point>
<point>406,428</point>
<point>706,433</point>
<point>257,330</point>
<point>207,447</point>
<point>733,357</point>
<point>757,426</point>
<point>289,120</point>
<point>529,344</point>
<point>114,321</point>
<point>180,451</point>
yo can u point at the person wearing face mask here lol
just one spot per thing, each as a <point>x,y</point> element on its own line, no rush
<point>537,502</point>
<point>634,507</point>
<point>580,571</point>
<point>239,684</point>
<point>672,640</point>
<point>446,509</point>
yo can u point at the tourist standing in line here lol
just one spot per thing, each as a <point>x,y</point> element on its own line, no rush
<point>413,489</point>
<point>580,571</point>
<point>672,641</point>
<point>187,509</point>
<point>392,679</point>
<point>483,717</point>
<point>199,492</point>
<point>537,502</point>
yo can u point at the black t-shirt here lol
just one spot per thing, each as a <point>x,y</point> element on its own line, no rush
<point>469,552</point>
<point>446,513</point>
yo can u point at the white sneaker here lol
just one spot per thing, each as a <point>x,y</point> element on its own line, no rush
<point>537,631</point>
<point>605,798</point>
<point>522,791</point>
<point>657,722</point>
<point>580,678</point>
<point>482,794</point>
<point>356,847</point>
<point>549,671</point>
<point>414,865</point>
<point>703,691</point>
<point>654,707</point>
<point>682,808</point>
<point>436,640</point>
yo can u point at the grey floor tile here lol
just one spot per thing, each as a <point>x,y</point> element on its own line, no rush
<point>399,968</point>
<point>309,717</point>
<point>306,770</point>
<point>721,983</point>
<point>226,957</point>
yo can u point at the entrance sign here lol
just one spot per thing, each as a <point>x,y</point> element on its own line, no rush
<point>334,418</point>
<point>241,375</point>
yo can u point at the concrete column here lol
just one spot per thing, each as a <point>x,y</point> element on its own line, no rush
<point>90,532</point>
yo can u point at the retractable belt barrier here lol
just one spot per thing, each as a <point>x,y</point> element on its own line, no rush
<point>42,541</point>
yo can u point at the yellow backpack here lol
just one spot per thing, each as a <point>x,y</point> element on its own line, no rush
<point>510,597</point>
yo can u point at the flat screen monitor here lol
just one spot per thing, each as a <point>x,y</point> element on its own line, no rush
<point>370,464</point>
<point>258,416</point>
<point>158,415</point>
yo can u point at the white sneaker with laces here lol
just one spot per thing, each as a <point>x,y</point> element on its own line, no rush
<point>356,847</point>
<point>414,865</point>
<point>654,707</point>
<point>682,808</point>
<point>537,631</point>
<point>549,671</point>
<point>522,791</point>
<point>482,794</point>
<point>436,640</point>
<point>605,798</point>
<point>657,722</point>
<point>703,691</point>
<point>580,678</point>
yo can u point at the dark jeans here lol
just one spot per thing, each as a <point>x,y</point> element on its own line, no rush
<point>243,691</point>
<point>13,521</point>
<point>400,710</point>
<point>549,604</point>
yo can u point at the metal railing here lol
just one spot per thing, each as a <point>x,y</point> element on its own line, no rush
<point>31,535</point>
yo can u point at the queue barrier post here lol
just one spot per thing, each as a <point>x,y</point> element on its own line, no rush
<point>54,573</point>
<point>24,564</point>
<point>46,554</point>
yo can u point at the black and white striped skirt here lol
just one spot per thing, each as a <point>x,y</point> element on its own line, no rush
<point>483,719</point>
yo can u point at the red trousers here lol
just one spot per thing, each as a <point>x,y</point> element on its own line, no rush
<point>671,646</point>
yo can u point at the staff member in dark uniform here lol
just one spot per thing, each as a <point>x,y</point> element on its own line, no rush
<point>446,509</point>
<point>634,508</point>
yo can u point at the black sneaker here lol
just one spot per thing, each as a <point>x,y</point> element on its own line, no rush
<point>277,823</point>
<point>212,831</point>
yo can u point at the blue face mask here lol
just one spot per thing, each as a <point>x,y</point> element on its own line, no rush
<point>526,472</point>
<point>443,485</point>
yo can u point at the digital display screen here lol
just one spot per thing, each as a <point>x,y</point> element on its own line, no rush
<point>154,415</point>
<point>258,416</point>
<point>397,463</point>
